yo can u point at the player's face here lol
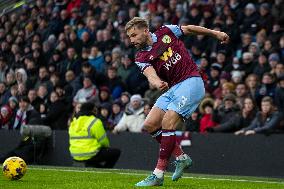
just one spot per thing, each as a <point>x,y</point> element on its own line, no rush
<point>138,37</point>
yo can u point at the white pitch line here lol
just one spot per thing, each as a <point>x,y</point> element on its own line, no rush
<point>141,174</point>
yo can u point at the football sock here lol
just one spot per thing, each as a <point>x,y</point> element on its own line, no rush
<point>166,148</point>
<point>177,152</point>
<point>159,173</point>
<point>158,136</point>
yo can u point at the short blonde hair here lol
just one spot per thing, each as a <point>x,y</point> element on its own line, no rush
<point>136,22</point>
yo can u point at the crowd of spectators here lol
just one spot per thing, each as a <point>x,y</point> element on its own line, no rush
<point>57,54</point>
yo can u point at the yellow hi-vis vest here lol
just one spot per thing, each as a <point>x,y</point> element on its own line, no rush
<point>86,136</point>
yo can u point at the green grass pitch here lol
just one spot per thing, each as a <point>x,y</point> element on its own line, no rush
<point>78,178</point>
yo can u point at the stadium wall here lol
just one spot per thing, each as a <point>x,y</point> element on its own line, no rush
<point>212,154</point>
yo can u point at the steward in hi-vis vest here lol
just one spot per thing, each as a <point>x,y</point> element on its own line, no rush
<point>88,139</point>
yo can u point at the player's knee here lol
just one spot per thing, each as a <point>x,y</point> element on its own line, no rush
<point>170,120</point>
<point>149,126</point>
<point>168,124</point>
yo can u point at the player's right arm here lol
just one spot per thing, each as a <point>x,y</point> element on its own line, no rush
<point>154,79</point>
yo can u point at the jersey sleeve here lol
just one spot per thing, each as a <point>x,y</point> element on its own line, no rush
<point>142,65</point>
<point>176,30</point>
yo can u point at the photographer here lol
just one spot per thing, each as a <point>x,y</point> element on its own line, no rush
<point>88,140</point>
<point>34,136</point>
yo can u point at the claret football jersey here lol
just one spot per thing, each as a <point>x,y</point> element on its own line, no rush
<point>168,56</point>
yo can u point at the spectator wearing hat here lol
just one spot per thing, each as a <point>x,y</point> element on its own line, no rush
<point>267,120</point>
<point>124,99</point>
<point>267,88</point>
<point>237,76</point>
<point>206,110</point>
<point>249,19</point>
<point>116,113</point>
<point>21,76</point>
<point>56,59</point>
<point>104,95</point>
<point>213,81</point>
<point>7,112</point>
<point>248,63</point>
<point>265,20</point>
<point>13,104</point>
<point>133,116</point>
<point>254,49</point>
<point>104,111</point>
<point>273,60</point>
<point>223,112</point>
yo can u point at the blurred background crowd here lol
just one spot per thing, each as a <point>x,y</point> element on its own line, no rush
<point>57,54</point>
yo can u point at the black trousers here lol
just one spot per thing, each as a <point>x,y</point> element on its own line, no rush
<point>30,150</point>
<point>105,158</point>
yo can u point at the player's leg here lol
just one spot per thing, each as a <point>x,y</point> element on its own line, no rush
<point>168,141</point>
<point>153,122</point>
<point>152,125</point>
<point>189,94</point>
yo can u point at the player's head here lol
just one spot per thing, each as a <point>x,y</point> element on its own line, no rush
<point>137,30</point>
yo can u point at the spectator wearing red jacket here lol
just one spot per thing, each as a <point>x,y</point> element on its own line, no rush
<point>206,109</point>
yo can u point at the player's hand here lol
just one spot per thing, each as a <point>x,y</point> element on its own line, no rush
<point>223,37</point>
<point>161,85</point>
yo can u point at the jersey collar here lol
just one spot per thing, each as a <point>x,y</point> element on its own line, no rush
<point>154,39</point>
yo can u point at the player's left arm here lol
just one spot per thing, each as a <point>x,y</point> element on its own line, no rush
<point>199,30</point>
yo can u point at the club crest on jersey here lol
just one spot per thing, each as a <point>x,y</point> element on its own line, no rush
<point>166,39</point>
